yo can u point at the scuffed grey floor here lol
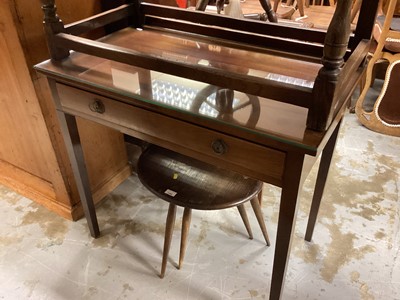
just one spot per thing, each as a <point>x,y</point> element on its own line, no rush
<point>354,253</point>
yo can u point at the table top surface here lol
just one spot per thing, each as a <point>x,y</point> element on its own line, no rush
<point>257,116</point>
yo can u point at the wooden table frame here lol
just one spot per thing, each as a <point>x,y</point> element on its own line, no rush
<point>341,69</point>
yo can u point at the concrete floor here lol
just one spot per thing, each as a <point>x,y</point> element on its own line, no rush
<point>354,253</point>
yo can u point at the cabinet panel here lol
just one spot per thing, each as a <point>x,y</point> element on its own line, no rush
<point>33,159</point>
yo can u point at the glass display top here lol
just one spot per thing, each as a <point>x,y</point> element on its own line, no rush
<point>280,121</point>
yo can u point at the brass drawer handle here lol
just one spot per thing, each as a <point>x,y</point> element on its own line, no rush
<point>219,147</point>
<point>97,106</point>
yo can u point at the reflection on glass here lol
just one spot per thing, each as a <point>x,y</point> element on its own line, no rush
<point>182,97</point>
<point>290,80</point>
<point>257,114</point>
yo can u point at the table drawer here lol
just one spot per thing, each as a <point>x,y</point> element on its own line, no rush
<point>213,147</point>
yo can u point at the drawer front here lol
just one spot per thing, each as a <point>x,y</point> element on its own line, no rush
<point>250,159</point>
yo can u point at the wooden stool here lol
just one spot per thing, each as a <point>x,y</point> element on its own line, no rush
<point>192,184</point>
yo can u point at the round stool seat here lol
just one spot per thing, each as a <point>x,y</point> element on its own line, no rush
<point>188,182</point>
<point>192,184</point>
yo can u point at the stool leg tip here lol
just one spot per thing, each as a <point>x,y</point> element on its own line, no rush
<point>179,266</point>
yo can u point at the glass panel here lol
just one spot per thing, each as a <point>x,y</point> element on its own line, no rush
<point>194,50</point>
<point>231,107</point>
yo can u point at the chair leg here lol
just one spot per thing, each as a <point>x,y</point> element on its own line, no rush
<point>259,196</point>
<point>276,3</point>
<point>300,6</point>
<point>187,217</point>
<point>243,214</point>
<point>355,10</point>
<point>259,215</point>
<point>169,229</point>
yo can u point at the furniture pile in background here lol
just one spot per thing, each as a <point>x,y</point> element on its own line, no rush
<point>384,115</point>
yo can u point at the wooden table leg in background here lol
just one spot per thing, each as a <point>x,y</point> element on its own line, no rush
<point>324,165</point>
<point>73,144</point>
<point>300,5</point>
<point>286,222</point>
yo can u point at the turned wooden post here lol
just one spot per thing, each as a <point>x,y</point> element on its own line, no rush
<point>53,25</point>
<point>337,37</point>
<point>271,15</point>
